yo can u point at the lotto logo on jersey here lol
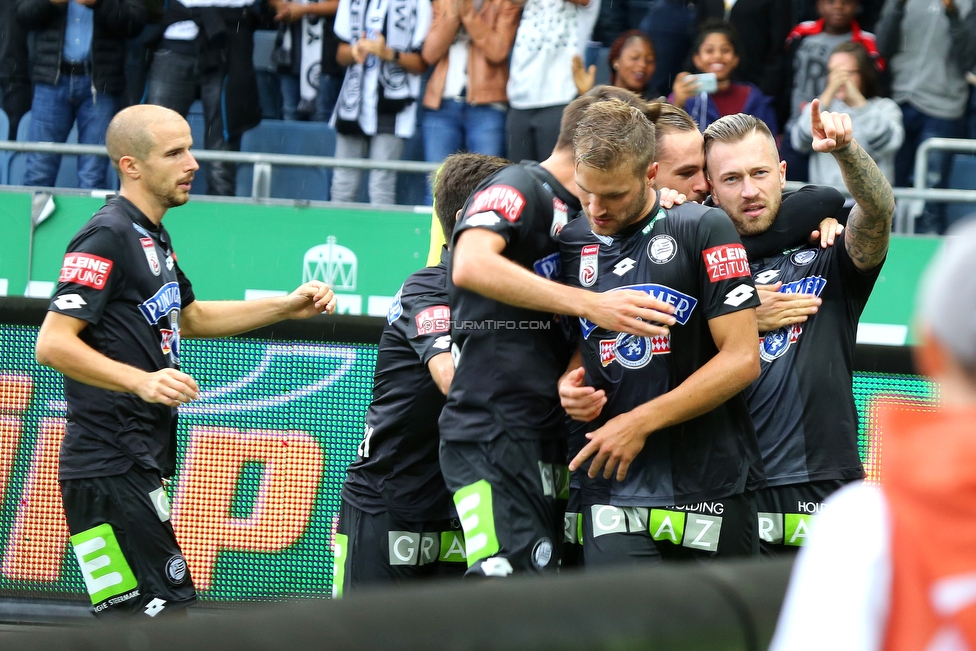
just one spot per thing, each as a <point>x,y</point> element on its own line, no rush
<point>85,269</point>
<point>161,303</point>
<point>589,259</point>
<point>149,247</point>
<point>502,199</point>
<point>433,319</point>
<point>726,261</point>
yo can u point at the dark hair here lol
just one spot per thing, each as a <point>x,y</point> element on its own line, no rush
<point>454,182</point>
<point>715,26</point>
<point>865,66</point>
<point>618,46</point>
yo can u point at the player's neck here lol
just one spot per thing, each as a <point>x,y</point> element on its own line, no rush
<point>145,203</point>
<point>561,165</point>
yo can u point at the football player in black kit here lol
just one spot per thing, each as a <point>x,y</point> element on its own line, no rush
<point>802,404</point>
<point>396,520</point>
<point>113,329</point>
<point>502,449</point>
<point>674,453</point>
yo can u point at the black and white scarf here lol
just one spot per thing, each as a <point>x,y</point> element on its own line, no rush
<point>361,88</point>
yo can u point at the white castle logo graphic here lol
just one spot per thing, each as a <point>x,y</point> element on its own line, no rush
<point>331,263</point>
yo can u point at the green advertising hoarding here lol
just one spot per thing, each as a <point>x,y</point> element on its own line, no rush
<point>235,249</point>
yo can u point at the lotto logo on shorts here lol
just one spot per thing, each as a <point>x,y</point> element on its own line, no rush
<point>85,269</point>
<point>433,320</point>
<point>502,199</point>
<point>103,566</point>
<point>726,261</point>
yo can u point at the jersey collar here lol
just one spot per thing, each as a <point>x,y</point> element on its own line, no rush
<point>135,214</point>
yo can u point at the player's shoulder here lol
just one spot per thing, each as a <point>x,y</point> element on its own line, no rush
<point>576,232</point>
<point>429,280</point>
<point>822,199</point>
<point>690,218</point>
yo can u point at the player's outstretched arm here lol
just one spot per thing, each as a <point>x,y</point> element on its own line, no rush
<point>615,445</point>
<point>225,318</point>
<point>869,226</point>
<point>480,267</point>
<point>60,347</point>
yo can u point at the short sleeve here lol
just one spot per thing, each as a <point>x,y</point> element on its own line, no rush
<point>726,280</point>
<point>426,320</point>
<point>90,275</point>
<point>186,287</point>
<point>501,205</point>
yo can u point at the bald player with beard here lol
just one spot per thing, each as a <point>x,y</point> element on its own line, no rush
<point>113,330</point>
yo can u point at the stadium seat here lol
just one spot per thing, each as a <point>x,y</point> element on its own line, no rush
<point>67,172</point>
<point>289,137</point>
<point>963,177</point>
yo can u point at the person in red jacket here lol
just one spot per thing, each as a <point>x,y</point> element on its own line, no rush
<point>894,566</point>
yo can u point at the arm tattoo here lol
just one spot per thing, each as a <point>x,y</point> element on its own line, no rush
<point>869,226</point>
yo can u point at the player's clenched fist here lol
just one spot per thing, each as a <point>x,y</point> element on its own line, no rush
<point>630,311</point>
<point>581,402</point>
<point>169,387</point>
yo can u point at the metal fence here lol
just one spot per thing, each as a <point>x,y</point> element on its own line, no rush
<point>263,163</point>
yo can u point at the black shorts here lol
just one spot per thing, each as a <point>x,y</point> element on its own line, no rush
<point>786,512</point>
<point>125,545</point>
<point>724,528</point>
<point>572,531</point>
<point>380,548</point>
<point>510,495</point>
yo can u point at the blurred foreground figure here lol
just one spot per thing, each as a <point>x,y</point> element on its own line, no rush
<point>894,567</point>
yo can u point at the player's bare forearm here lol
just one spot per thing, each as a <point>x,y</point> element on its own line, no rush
<point>441,369</point>
<point>734,367</point>
<point>60,347</point>
<point>207,319</point>
<point>869,225</point>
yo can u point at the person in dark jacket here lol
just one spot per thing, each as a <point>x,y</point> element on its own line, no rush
<point>15,86</point>
<point>208,44</point>
<point>79,75</point>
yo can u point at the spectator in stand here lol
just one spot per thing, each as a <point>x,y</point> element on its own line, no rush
<point>671,26</point>
<point>612,19</point>
<point>632,60</point>
<point>377,107</point>
<point>892,566</point>
<point>207,45</point>
<point>929,47</point>
<point>808,47</point>
<point>852,88</point>
<point>867,17</point>
<point>716,51</point>
<point>79,75</point>
<point>465,98</point>
<point>540,83</point>
<point>762,26</point>
<point>15,85</point>
<point>314,20</point>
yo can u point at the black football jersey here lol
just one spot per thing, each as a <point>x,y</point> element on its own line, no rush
<point>803,404</point>
<point>120,274</point>
<point>396,467</point>
<point>508,359</point>
<point>691,257</point>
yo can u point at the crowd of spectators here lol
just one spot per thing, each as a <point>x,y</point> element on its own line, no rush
<point>492,76</point>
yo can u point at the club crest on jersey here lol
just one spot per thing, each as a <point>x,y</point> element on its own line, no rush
<point>803,257</point>
<point>661,249</point>
<point>589,256</point>
<point>560,216</point>
<point>396,307</point>
<point>549,267</point>
<point>149,248</point>
<point>683,304</point>
<point>502,199</point>
<point>161,303</point>
<point>775,344</point>
<point>726,261</point>
<point>631,351</point>
<point>433,319</point>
